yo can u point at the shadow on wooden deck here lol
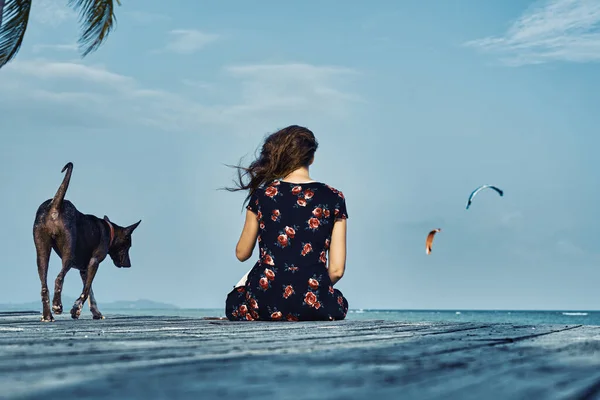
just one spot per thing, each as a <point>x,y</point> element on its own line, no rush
<point>179,358</point>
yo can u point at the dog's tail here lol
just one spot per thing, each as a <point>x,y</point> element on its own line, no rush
<point>58,198</point>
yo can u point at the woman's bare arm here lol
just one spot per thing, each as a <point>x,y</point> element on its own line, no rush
<point>337,251</point>
<point>245,245</point>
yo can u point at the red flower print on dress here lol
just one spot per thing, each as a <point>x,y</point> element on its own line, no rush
<point>253,304</point>
<point>275,215</point>
<point>264,283</point>
<point>308,194</point>
<point>317,305</point>
<point>259,239</point>
<point>271,191</point>
<point>282,240</point>
<point>254,314</point>
<point>290,232</point>
<point>296,190</point>
<point>301,202</point>
<point>259,215</point>
<point>310,299</point>
<point>313,283</point>
<point>318,212</point>
<point>288,290</point>
<point>269,274</point>
<point>249,317</point>
<point>313,223</point>
<point>291,318</point>
<point>340,300</point>
<point>326,213</point>
<point>331,289</point>
<point>327,242</point>
<point>340,194</point>
<point>262,225</point>
<point>268,260</point>
<point>243,310</point>
<point>241,289</point>
<point>323,257</point>
<point>336,212</point>
<point>291,268</point>
<point>306,248</point>
<point>275,183</point>
<point>276,316</point>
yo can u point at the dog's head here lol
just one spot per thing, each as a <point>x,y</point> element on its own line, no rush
<point>119,250</point>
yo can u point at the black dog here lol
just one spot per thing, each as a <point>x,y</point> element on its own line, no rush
<point>81,241</point>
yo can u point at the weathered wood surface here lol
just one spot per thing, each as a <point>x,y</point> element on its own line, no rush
<point>181,358</point>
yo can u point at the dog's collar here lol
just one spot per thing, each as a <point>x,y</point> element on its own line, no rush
<point>112,233</point>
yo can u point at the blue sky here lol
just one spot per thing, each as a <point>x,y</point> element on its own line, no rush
<point>414,105</point>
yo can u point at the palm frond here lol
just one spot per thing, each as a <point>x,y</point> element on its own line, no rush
<point>97,19</point>
<point>12,27</point>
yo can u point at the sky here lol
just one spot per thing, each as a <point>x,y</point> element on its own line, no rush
<point>414,105</point>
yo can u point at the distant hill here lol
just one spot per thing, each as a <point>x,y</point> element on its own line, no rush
<point>68,301</point>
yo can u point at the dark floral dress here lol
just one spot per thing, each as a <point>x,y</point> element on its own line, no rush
<point>290,281</point>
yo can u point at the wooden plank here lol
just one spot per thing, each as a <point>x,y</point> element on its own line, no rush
<point>155,357</point>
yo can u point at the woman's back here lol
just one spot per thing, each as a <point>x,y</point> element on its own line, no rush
<point>296,221</point>
<point>298,227</point>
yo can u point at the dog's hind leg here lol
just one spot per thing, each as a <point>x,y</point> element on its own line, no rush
<point>68,244</point>
<point>96,314</point>
<point>43,247</point>
<point>67,264</point>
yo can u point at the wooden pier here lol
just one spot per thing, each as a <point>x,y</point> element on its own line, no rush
<point>184,358</point>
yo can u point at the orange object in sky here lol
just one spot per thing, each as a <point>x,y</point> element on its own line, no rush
<point>429,240</point>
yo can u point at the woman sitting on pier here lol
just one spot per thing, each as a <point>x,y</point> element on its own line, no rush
<point>300,224</point>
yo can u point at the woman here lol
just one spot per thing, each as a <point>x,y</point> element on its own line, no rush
<point>299,224</point>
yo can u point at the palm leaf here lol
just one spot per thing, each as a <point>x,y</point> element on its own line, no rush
<point>12,27</point>
<point>97,19</point>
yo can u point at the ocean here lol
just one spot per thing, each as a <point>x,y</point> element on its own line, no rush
<point>568,317</point>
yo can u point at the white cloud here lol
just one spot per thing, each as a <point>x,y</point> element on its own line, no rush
<point>250,95</point>
<point>286,86</point>
<point>197,84</point>
<point>51,12</point>
<point>553,30</point>
<point>54,47</point>
<point>188,41</point>
<point>67,70</point>
<point>569,248</point>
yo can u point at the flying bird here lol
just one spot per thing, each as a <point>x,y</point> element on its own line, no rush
<point>479,189</point>
<point>429,240</point>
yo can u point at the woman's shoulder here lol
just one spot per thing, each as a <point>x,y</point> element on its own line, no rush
<point>333,190</point>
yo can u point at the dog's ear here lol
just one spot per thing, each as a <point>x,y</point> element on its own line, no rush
<point>106,219</point>
<point>131,228</point>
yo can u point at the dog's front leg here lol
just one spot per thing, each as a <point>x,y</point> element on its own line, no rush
<point>92,300</point>
<point>87,287</point>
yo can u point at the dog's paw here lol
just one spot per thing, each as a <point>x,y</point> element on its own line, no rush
<point>47,318</point>
<point>75,312</point>
<point>57,309</point>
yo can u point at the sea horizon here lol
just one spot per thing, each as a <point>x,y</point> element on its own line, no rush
<point>520,317</point>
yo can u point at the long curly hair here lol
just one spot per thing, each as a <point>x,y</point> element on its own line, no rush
<point>282,152</point>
